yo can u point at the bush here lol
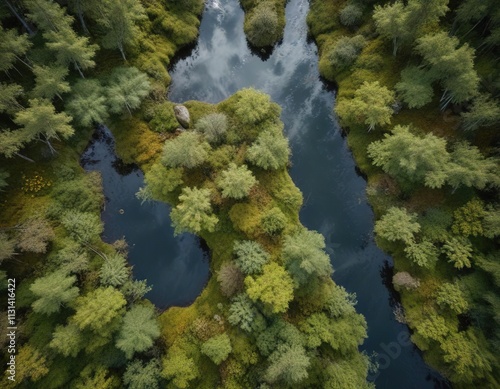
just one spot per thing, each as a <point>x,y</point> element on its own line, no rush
<point>273,221</point>
<point>35,235</point>
<point>262,27</point>
<point>236,181</point>
<point>213,127</point>
<point>350,15</point>
<point>163,118</point>
<point>345,51</point>
<point>186,150</point>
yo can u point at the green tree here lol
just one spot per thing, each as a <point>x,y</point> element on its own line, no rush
<point>96,376</point>
<point>468,219</point>
<point>289,364</point>
<point>274,287</point>
<point>213,127</point>
<point>127,87</point>
<point>458,251</point>
<point>12,48</point>
<point>41,119</point>
<point>179,368</point>
<point>30,364</point>
<point>491,224</point>
<point>453,66</point>
<point>262,27</point>
<point>138,331</point>
<point>483,112</point>
<point>186,150</point>
<point>250,256</point>
<point>371,105</point>
<point>67,340</point>
<point>135,289</point>
<point>415,87</point>
<point>114,271</point>
<point>391,22</point>
<point>9,93</point>
<point>140,376</point>
<point>120,19</point>
<point>410,158</point>
<point>397,224</point>
<point>230,279</point>
<point>345,51</point>
<point>273,221</point>
<point>423,254</point>
<point>451,296</point>
<point>236,181</point>
<point>194,212</point>
<point>50,82</point>
<point>433,327</point>
<point>252,106</point>
<point>160,181</point>
<point>242,313</point>
<point>52,291</point>
<point>83,226</point>
<point>87,103</point>
<point>351,14</point>
<point>98,308</point>
<point>7,247</point>
<point>217,348</point>
<point>34,235</point>
<point>270,151</point>
<point>304,256</point>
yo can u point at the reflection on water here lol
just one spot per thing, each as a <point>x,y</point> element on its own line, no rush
<point>177,268</point>
<point>323,168</point>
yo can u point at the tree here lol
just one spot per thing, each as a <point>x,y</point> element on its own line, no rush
<point>451,296</point>
<point>114,271</point>
<point>160,181</point>
<point>242,313</point>
<point>491,224</point>
<point>213,127</point>
<point>453,66</point>
<point>140,376</point>
<point>458,251</point>
<point>119,18</point>
<point>415,87</point>
<point>186,150</point>
<point>468,219</point>
<point>391,23</point>
<point>50,82</point>
<point>397,224</point>
<point>41,119</point>
<point>262,27</point>
<point>345,51</point>
<point>34,235</point>
<point>270,151</point>
<point>217,348</point>
<point>433,327</point>
<point>230,279</point>
<point>138,331</point>
<point>135,289</point>
<point>9,93</point>
<point>484,111</point>
<point>371,105</point>
<point>127,87</point>
<point>250,256</point>
<point>273,221</point>
<point>410,158</point>
<point>12,48</point>
<point>87,104</point>
<point>67,340</point>
<point>252,106</point>
<point>52,291</point>
<point>96,376</point>
<point>30,364</point>
<point>11,142</point>
<point>304,256</point>
<point>274,287</point>
<point>423,254</point>
<point>288,363</point>
<point>83,226</point>
<point>236,181</point>
<point>98,308</point>
<point>351,14</point>
<point>179,368</point>
<point>7,247</point>
<point>194,212</point>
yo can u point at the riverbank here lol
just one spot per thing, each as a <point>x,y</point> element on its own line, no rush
<point>374,62</point>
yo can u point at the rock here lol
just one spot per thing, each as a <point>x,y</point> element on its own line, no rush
<point>182,115</point>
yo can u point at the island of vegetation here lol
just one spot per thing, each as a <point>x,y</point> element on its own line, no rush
<point>270,316</point>
<point>418,97</point>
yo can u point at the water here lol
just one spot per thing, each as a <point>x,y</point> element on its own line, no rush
<point>323,167</point>
<point>176,267</point>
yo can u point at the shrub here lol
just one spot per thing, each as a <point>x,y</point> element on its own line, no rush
<point>262,27</point>
<point>236,181</point>
<point>186,150</point>
<point>163,118</point>
<point>213,127</point>
<point>250,256</point>
<point>273,221</point>
<point>350,15</point>
<point>35,235</point>
<point>345,51</point>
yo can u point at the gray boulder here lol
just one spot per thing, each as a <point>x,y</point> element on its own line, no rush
<point>182,115</point>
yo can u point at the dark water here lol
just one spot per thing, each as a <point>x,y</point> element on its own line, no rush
<point>176,267</point>
<point>323,168</point>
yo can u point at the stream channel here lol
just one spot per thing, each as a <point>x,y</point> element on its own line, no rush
<point>322,167</point>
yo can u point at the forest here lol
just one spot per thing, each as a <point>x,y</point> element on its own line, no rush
<point>418,97</point>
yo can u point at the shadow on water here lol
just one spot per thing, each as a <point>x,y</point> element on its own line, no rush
<point>176,267</point>
<point>322,167</point>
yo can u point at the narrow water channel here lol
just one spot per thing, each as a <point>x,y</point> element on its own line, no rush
<point>323,168</point>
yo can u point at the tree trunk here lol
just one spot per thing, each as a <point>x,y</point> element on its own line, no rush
<point>19,17</point>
